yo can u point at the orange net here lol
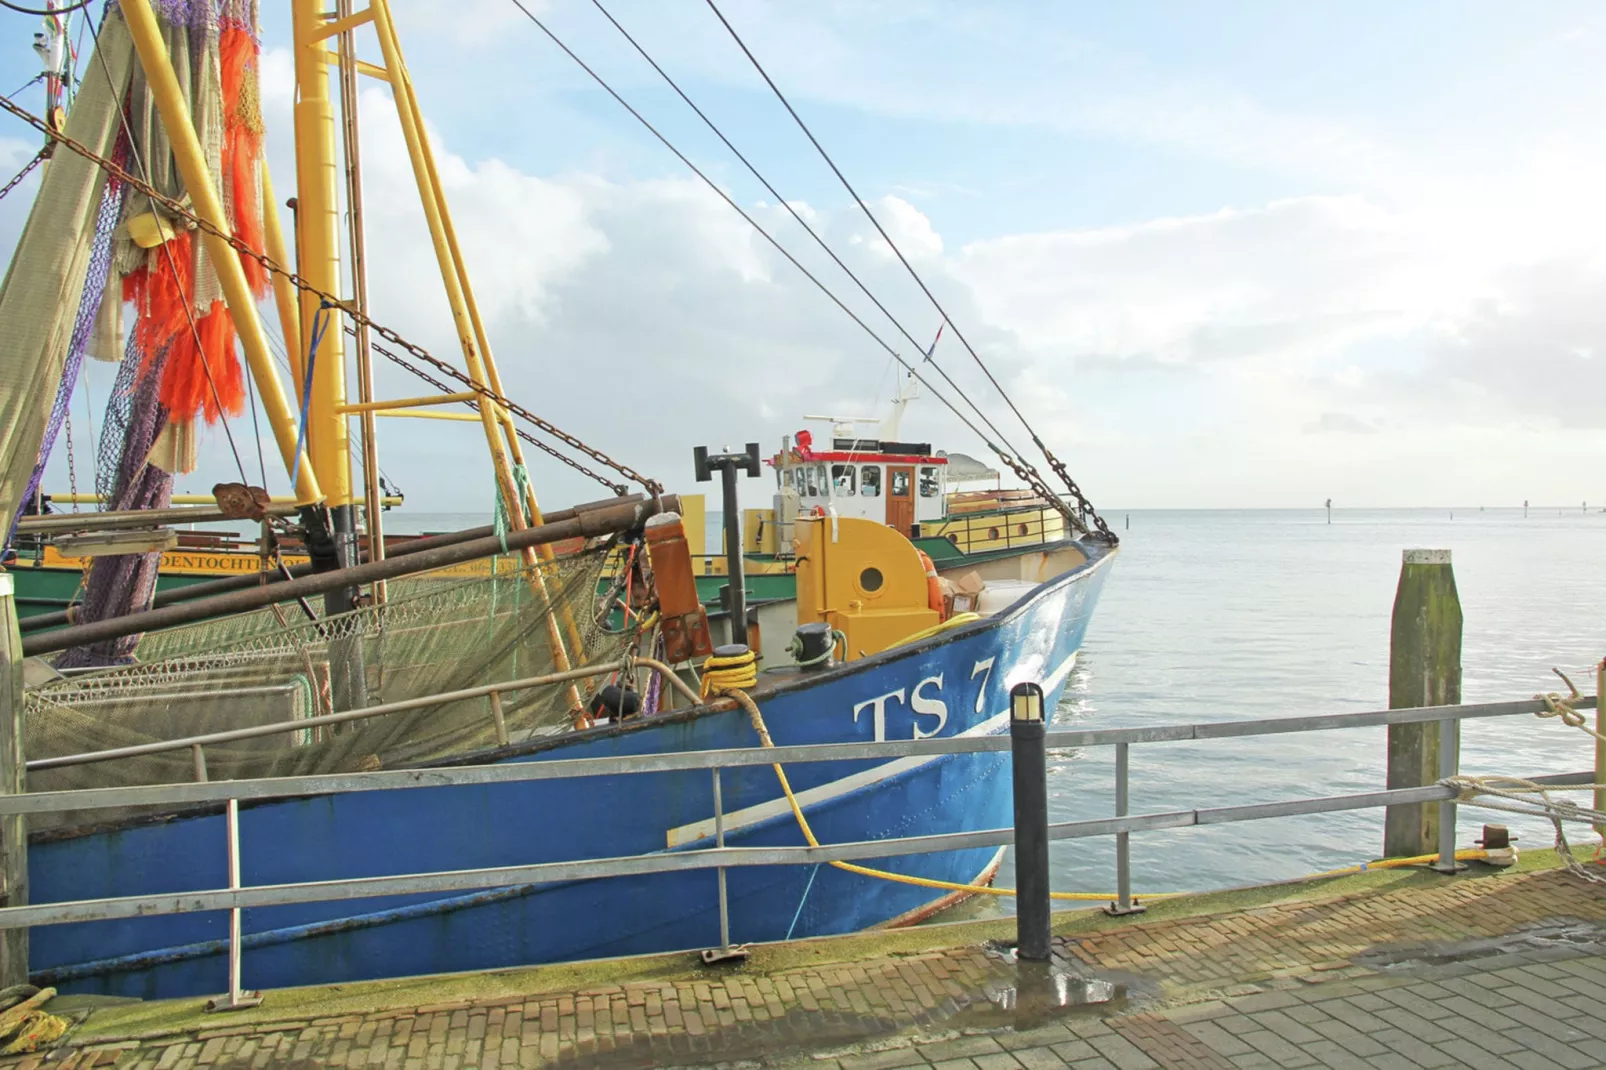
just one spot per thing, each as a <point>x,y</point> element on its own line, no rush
<point>202,373</point>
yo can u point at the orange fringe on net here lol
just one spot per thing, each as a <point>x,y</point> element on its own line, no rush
<point>160,293</point>
<point>202,373</point>
<point>242,144</point>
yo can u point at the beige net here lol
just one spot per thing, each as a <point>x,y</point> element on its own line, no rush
<point>438,632</point>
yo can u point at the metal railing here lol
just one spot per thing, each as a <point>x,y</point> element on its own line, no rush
<point>720,857</point>
<point>492,692</point>
<point>985,530</point>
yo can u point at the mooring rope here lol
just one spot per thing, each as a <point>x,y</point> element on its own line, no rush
<point>1513,795</point>
<point>1561,706</point>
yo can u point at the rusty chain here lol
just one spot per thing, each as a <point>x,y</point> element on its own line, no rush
<point>401,362</point>
<point>1076,492</point>
<point>1023,471</point>
<point>389,335</point>
<point>27,170</point>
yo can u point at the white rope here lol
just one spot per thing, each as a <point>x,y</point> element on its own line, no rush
<point>1514,796</point>
<point>1561,706</point>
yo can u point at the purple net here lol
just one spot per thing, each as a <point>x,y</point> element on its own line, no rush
<point>100,256</point>
<point>125,583</point>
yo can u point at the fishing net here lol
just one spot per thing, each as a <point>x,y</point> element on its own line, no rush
<point>456,628</point>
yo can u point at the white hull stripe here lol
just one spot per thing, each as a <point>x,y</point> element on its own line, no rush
<point>682,835</point>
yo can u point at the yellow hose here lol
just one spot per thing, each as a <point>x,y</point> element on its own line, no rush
<point>936,629</point>
<point>1476,854</point>
<point>757,720</point>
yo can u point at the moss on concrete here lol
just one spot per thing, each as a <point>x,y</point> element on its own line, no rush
<point>183,1016</point>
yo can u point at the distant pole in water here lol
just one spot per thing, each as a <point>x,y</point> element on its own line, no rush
<point>1525,508</point>
<point>1129,521</point>
<point>1424,670</point>
<point>1329,510</point>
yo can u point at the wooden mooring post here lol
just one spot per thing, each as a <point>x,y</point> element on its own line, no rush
<point>1424,670</point>
<point>13,828</point>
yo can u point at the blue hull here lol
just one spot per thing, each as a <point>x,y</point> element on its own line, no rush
<point>953,684</point>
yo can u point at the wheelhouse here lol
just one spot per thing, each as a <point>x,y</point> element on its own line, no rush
<point>900,484</point>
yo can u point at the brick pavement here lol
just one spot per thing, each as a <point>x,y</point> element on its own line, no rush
<point>1490,971</point>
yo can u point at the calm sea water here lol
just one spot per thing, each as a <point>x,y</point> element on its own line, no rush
<point>1213,616</point>
<point>1220,615</point>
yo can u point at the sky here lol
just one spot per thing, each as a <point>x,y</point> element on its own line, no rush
<point>1219,255</point>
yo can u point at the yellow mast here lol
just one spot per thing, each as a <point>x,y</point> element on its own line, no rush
<point>496,421</point>
<point>192,168</point>
<point>318,256</point>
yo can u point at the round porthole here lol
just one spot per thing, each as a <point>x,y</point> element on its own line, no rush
<point>992,533</point>
<point>870,579</point>
<point>953,538</point>
<point>1021,530</point>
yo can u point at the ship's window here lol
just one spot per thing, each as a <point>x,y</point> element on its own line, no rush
<point>786,476</point>
<point>992,533</point>
<point>1021,530</point>
<point>870,481</point>
<point>842,477</point>
<point>823,479</point>
<point>870,579</point>
<point>928,481</point>
<point>953,537</point>
<point>811,482</point>
<point>899,487</point>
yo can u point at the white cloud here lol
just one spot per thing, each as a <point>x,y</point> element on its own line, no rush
<point>1232,284</point>
<point>1229,357</point>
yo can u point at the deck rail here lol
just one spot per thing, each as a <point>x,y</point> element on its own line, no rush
<point>720,857</point>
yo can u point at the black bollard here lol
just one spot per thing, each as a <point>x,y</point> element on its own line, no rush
<point>1028,758</point>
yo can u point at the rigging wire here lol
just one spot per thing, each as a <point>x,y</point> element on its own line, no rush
<point>1054,462</point>
<point>69,9</point>
<point>910,368</point>
<point>402,362</point>
<point>865,208</point>
<point>804,223</point>
<point>172,265</point>
<point>30,83</point>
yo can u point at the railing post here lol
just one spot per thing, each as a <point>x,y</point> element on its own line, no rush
<point>237,998</point>
<point>1449,766</point>
<point>13,781</point>
<point>1600,743</point>
<point>1123,847</point>
<point>198,759</point>
<point>724,953</point>
<point>498,718</point>
<point>1028,758</point>
<point>1424,670</point>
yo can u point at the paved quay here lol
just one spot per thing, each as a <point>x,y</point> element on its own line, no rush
<point>1382,970</point>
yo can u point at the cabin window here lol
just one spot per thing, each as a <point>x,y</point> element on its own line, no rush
<point>811,482</point>
<point>842,479</point>
<point>786,476</point>
<point>870,481</point>
<point>1022,530</point>
<point>900,484</point>
<point>928,481</point>
<point>992,533</point>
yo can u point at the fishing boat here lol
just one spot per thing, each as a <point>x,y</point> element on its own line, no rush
<point>154,200</point>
